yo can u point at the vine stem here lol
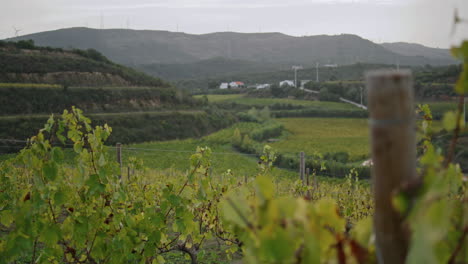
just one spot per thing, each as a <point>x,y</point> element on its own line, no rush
<point>238,211</point>
<point>34,251</point>
<point>456,132</point>
<point>52,211</point>
<point>183,186</point>
<point>459,246</point>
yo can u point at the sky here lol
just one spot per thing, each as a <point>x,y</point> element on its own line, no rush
<point>428,22</point>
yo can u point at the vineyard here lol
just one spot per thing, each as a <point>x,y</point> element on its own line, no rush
<point>67,197</point>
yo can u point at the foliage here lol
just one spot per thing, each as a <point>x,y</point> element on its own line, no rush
<point>268,130</point>
<point>309,228</point>
<point>88,214</point>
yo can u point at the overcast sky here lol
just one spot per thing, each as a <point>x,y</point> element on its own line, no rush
<point>428,22</point>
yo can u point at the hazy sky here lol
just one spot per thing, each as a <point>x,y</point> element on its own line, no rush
<point>428,22</point>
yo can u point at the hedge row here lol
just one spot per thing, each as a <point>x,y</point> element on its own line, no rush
<point>357,113</point>
<point>25,100</point>
<point>268,130</point>
<point>290,161</point>
<point>131,127</point>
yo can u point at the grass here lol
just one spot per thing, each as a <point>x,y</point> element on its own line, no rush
<point>29,85</point>
<point>241,99</point>
<point>441,107</point>
<point>323,135</point>
<point>175,154</point>
<point>216,98</point>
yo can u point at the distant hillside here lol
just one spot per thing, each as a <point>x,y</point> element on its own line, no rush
<point>143,47</point>
<point>41,80</point>
<point>206,68</point>
<point>38,81</point>
<point>23,62</point>
<point>412,49</point>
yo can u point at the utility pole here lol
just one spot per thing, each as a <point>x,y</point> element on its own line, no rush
<point>102,21</point>
<point>295,68</point>
<point>361,95</point>
<point>316,72</point>
<point>464,110</point>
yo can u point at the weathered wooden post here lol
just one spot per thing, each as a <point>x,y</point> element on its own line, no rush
<point>308,183</point>
<point>393,147</point>
<point>118,146</point>
<point>302,167</point>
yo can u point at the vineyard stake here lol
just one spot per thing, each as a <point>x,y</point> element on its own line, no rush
<point>393,148</point>
<point>302,167</point>
<point>119,158</point>
<point>307,182</point>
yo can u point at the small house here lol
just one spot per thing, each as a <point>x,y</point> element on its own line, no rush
<point>224,86</point>
<point>287,83</point>
<point>263,86</point>
<point>236,85</point>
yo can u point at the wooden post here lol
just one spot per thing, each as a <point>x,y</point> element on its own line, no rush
<point>302,167</point>
<point>393,147</point>
<point>119,158</point>
<point>307,182</point>
<point>314,180</point>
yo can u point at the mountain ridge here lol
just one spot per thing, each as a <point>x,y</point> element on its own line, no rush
<point>146,49</point>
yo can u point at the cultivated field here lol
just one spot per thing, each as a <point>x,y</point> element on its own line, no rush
<point>240,99</point>
<point>324,135</point>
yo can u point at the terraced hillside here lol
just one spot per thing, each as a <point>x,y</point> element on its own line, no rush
<point>38,81</point>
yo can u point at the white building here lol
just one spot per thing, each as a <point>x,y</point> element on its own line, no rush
<point>287,83</point>
<point>303,83</point>
<point>236,84</point>
<point>263,86</point>
<point>224,86</point>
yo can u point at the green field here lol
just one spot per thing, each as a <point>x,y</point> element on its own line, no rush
<point>30,85</point>
<point>215,98</point>
<point>441,107</point>
<point>310,135</point>
<point>241,99</point>
<point>175,154</point>
<point>324,135</point>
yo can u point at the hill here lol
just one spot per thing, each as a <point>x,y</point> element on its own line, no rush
<point>412,49</point>
<point>23,62</point>
<point>152,49</point>
<point>218,66</point>
<point>38,81</point>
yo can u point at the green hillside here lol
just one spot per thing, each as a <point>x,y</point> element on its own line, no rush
<point>38,81</point>
<point>24,62</point>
